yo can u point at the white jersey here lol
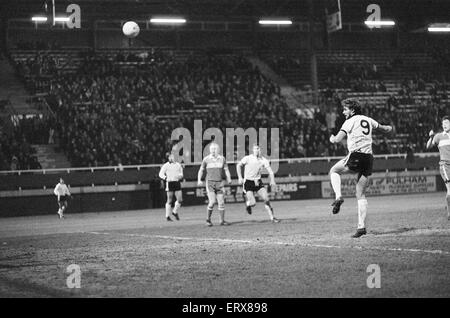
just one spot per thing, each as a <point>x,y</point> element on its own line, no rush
<point>61,189</point>
<point>253,166</point>
<point>171,171</point>
<point>359,133</point>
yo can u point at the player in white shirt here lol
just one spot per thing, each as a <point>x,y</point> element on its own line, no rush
<point>63,193</point>
<point>172,173</point>
<point>358,130</point>
<point>253,167</point>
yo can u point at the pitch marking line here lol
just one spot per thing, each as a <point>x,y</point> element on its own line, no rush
<point>361,248</point>
<point>177,238</point>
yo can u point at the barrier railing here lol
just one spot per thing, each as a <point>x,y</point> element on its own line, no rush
<point>144,166</point>
<point>138,186</point>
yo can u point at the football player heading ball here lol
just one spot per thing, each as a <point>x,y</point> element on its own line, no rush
<point>358,130</point>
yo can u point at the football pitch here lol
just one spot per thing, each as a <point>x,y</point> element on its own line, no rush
<point>308,254</point>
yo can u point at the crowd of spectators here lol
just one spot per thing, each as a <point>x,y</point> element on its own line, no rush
<point>38,45</point>
<point>359,78</point>
<point>16,152</point>
<point>109,113</point>
<point>17,134</point>
<point>442,56</point>
<point>280,63</point>
<point>39,65</point>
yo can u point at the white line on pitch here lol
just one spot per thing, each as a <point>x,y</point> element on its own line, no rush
<point>181,238</point>
<point>361,248</point>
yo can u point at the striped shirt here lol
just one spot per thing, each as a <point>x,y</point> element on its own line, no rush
<point>61,189</point>
<point>215,167</point>
<point>171,171</point>
<point>442,140</point>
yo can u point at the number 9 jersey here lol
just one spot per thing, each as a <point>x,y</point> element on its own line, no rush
<point>358,129</point>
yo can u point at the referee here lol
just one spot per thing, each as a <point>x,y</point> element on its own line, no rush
<point>63,193</point>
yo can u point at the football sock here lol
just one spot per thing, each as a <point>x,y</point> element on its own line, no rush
<point>362,212</point>
<point>448,204</point>
<point>336,184</point>
<point>168,208</point>
<point>176,207</point>
<point>269,209</point>
<point>222,215</point>
<point>209,213</point>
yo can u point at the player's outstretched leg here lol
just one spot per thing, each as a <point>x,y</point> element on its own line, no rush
<point>265,196</point>
<point>335,179</point>
<point>361,187</point>
<point>269,210</point>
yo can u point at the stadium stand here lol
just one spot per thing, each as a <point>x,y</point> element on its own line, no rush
<point>395,87</point>
<point>133,99</point>
<point>99,105</point>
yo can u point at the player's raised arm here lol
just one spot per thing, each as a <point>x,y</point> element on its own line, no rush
<point>431,141</point>
<point>384,128</point>
<point>338,138</point>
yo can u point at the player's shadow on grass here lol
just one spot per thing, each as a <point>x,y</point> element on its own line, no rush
<point>395,231</point>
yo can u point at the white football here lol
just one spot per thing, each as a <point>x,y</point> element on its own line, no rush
<point>130,29</point>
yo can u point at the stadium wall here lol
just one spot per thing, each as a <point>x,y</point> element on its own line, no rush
<point>132,188</point>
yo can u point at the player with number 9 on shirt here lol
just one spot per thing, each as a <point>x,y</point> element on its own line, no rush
<point>358,130</point>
